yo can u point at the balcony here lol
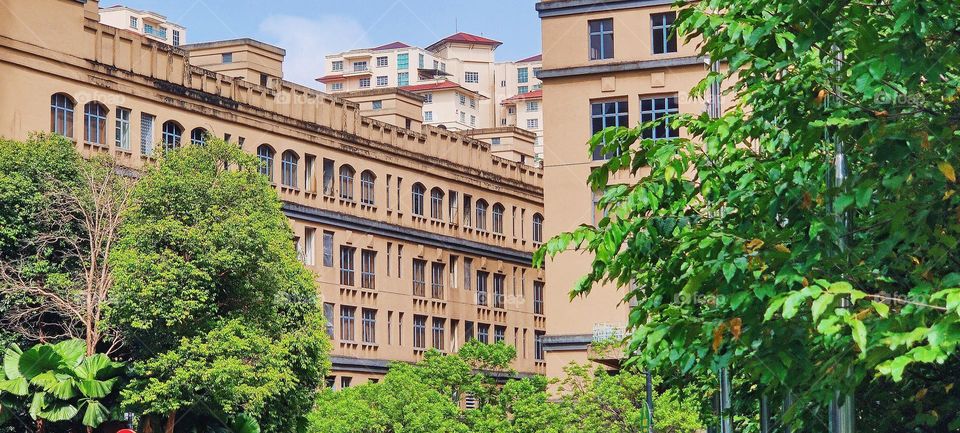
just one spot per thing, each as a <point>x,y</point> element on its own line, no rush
<point>157,32</point>
<point>607,347</point>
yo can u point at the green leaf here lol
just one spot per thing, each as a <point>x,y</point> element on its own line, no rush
<point>882,309</point>
<point>71,351</point>
<point>859,334</point>
<point>94,413</point>
<point>773,308</point>
<point>821,304</point>
<point>19,386</point>
<point>96,388</point>
<point>792,304</point>
<point>58,411</point>
<point>39,359</point>
<point>11,362</point>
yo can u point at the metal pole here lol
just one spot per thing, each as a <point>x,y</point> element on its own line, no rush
<point>650,401</point>
<point>764,415</point>
<point>726,418</point>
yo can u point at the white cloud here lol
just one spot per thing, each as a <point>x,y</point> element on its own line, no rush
<point>308,41</point>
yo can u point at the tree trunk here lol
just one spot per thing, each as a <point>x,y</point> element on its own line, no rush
<point>171,421</point>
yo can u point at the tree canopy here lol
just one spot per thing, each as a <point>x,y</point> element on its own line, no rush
<point>807,237</point>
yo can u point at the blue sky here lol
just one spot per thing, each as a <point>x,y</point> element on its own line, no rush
<point>311,29</point>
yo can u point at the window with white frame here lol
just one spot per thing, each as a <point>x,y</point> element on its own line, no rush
<point>336,66</point>
<point>403,61</point>
<point>134,22</point>
<point>146,133</point>
<point>471,77</point>
<point>428,116</point>
<point>403,79</point>
<point>428,98</point>
<point>473,120</point>
<point>533,106</point>
<point>382,62</point>
<point>382,80</point>
<point>533,123</point>
<point>364,83</point>
<point>123,128</point>
<point>462,98</point>
<point>523,75</point>
<point>376,105</point>
<point>336,87</point>
<point>522,89</point>
<point>473,102</point>
<point>360,66</point>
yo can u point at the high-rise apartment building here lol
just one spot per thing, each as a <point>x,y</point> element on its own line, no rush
<point>605,63</point>
<point>150,24</point>
<point>419,237</point>
<point>461,84</point>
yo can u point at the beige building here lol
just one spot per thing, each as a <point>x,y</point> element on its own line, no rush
<point>150,24</point>
<point>462,85</point>
<point>419,237</point>
<point>605,63</point>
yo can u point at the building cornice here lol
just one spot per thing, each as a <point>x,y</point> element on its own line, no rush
<point>571,7</point>
<point>608,68</point>
<point>365,225</point>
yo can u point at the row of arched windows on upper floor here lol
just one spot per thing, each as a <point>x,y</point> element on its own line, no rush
<point>95,118</point>
<point>95,126</point>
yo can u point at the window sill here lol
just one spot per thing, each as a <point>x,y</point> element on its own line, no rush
<point>96,145</point>
<point>121,151</point>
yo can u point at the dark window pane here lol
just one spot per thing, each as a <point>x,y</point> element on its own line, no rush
<point>646,105</point>
<point>608,46</point>
<point>672,103</point>
<point>658,41</point>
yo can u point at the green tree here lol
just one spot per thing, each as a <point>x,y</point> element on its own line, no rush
<point>221,318</point>
<point>754,246</point>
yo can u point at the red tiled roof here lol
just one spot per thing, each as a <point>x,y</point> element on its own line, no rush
<point>465,38</point>
<point>390,46</point>
<point>329,78</point>
<point>442,85</point>
<point>536,58</point>
<point>536,94</point>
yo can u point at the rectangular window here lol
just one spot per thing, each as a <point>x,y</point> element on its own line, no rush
<point>403,61</point>
<point>365,82</point>
<point>533,106</point>
<point>382,62</point>
<point>420,62</point>
<point>389,254</point>
<point>536,72</point>
<point>328,249</point>
<point>328,176</point>
<point>601,39</point>
<point>483,333</point>
<point>419,277</point>
<point>538,297</point>
<point>123,128</point>
<point>360,66</point>
<point>389,178</point>
<point>533,123</point>
<point>345,382</point>
<point>369,326</point>
<point>454,263</point>
<point>498,297</point>
<point>403,79</point>
<point>467,210</point>
<point>347,265</point>
<point>438,325</point>
<point>309,246</point>
<point>328,315</point>
<point>658,109</point>
<point>337,66</point>
<point>471,77</point>
<point>463,117</point>
<point>473,103</point>
<point>377,105</point>
<point>368,266</point>
<point>454,206</point>
<point>310,163</point>
<point>134,23</point>
<point>226,58</point>
<point>436,64</point>
<point>604,115</point>
<point>523,89</point>
<point>146,133</point>
<point>399,261</point>
<point>176,38</point>
<point>436,280</point>
<point>382,80</point>
<point>468,331</point>
<point>389,327</point>
<point>473,120</point>
<point>499,334</point>
<point>467,271</point>
<point>664,33</point>
<point>347,320</point>
<point>522,75</point>
<point>336,87</point>
<point>419,332</point>
<point>482,287</point>
<point>462,98</point>
<point>428,98</point>
<point>428,116</point>
<point>538,345</point>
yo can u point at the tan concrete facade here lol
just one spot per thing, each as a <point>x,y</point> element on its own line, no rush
<point>419,237</point>
<point>579,77</point>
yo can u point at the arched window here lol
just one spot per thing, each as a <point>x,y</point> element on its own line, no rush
<point>346,182</point>
<point>170,135</point>
<point>436,204</point>
<point>498,218</point>
<point>61,115</point>
<point>265,153</point>
<point>288,168</point>
<point>537,228</point>
<point>418,191</point>
<point>367,182</point>
<point>95,123</point>
<point>198,137</point>
<point>481,221</point>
